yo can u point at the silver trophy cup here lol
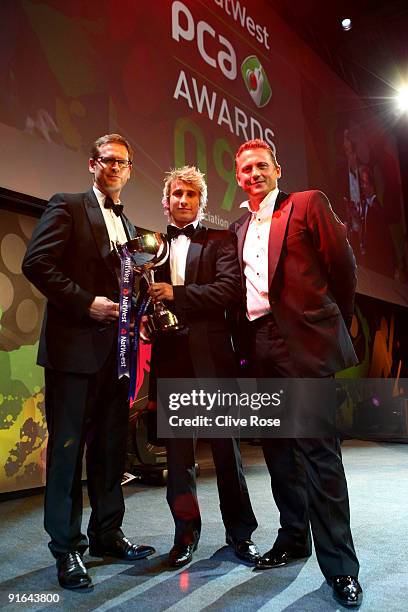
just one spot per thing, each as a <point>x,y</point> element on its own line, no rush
<point>149,251</point>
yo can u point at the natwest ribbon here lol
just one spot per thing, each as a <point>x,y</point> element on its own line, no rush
<point>134,348</point>
<point>128,348</point>
<point>125,307</point>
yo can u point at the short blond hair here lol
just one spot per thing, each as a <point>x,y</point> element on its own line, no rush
<point>190,175</point>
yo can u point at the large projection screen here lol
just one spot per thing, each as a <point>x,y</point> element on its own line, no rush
<point>187,82</point>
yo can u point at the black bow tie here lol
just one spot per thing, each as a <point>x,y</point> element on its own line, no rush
<point>175,232</point>
<point>116,208</point>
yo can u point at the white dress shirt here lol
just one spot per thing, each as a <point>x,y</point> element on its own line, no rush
<point>113,223</point>
<point>178,256</point>
<point>255,256</point>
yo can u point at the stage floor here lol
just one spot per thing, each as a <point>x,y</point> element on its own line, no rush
<point>377,476</point>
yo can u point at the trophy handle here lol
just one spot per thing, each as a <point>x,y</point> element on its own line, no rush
<point>148,275</point>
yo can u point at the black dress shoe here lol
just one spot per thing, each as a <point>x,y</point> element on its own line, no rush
<point>121,548</point>
<point>347,590</point>
<point>244,549</point>
<point>72,572</point>
<point>181,554</point>
<point>279,558</point>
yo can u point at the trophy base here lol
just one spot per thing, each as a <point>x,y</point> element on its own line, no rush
<point>162,321</point>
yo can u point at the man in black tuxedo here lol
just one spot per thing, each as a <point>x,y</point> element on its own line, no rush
<point>201,282</point>
<point>298,272</point>
<point>71,259</point>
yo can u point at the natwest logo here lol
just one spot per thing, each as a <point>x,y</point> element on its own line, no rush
<point>256,81</point>
<point>240,15</point>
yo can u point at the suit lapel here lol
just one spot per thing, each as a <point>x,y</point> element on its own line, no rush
<point>97,222</point>
<point>241,233</point>
<point>194,254</point>
<point>128,227</point>
<point>100,233</point>
<point>277,232</point>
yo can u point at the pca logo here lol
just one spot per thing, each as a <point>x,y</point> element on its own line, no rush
<point>256,81</point>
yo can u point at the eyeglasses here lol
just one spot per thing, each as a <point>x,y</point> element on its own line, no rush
<point>111,161</point>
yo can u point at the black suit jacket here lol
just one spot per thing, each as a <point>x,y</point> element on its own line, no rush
<point>70,261</point>
<point>212,287</point>
<point>312,280</point>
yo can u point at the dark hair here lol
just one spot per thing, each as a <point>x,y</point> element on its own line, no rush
<point>110,138</point>
<point>256,143</point>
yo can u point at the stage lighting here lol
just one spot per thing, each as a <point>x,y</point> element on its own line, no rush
<point>402,99</point>
<point>346,24</point>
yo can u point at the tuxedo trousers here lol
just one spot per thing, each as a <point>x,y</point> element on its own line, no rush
<point>89,411</point>
<point>307,475</point>
<point>172,360</point>
<point>235,506</point>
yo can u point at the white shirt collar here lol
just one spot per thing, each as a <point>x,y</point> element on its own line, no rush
<point>268,201</point>
<point>100,196</point>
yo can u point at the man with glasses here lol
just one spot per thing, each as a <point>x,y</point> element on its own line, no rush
<point>71,259</point>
